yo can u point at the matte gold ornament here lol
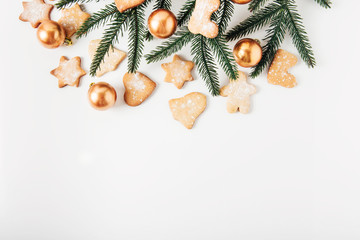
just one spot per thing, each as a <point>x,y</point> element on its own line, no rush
<point>241,1</point>
<point>162,23</point>
<point>51,34</point>
<point>247,52</point>
<point>102,96</point>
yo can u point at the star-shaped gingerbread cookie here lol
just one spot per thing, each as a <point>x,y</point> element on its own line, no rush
<point>238,93</point>
<point>178,71</point>
<point>72,19</point>
<point>36,12</point>
<point>111,61</point>
<point>124,5</point>
<point>69,72</point>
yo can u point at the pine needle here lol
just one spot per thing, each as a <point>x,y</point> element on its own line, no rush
<point>137,31</point>
<point>110,37</point>
<point>225,14</point>
<point>324,3</point>
<point>180,39</point>
<point>255,22</point>
<point>205,64</point>
<point>299,35</point>
<point>275,36</point>
<point>162,4</point>
<point>224,56</point>
<point>256,5</point>
<point>98,19</point>
<point>185,12</point>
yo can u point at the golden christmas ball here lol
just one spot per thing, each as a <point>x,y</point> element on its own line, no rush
<point>51,34</point>
<point>247,52</point>
<point>102,96</point>
<point>162,23</point>
<point>241,1</point>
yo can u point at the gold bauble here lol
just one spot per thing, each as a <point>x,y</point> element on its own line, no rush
<point>102,96</point>
<point>247,52</point>
<point>241,1</point>
<point>162,23</point>
<point>51,34</point>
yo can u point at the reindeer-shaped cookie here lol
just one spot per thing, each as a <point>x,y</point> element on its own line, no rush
<point>200,21</point>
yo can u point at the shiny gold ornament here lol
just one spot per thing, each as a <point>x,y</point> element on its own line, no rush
<point>241,1</point>
<point>102,96</point>
<point>247,52</point>
<point>51,34</point>
<point>162,23</point>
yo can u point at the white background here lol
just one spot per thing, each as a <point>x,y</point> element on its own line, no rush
<point>287,170</point>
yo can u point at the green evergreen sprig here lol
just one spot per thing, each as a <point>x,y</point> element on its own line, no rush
<point>283,17</point>
<point>174,44</point>
<point>256,5</point>
<point>108,14</point>
<point>137,31</point>
<point>185,12</point>
<point>203,49</point>
<point>324,3</point>
<point>205,63</point>
<point>110,37</point>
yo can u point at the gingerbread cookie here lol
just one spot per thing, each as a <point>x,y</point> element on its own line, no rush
<point>200,21</point>
<point>188,108</point>
<point>124,5</point>
<point>111,60</point>
<point>278,71</point>
<point>178,71</point>
<point>36,12</point>
<point>238,92</point>
<point>69,72</point>
<point>72,19</point>
<point>138,88</point>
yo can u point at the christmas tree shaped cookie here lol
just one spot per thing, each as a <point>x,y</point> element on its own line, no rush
<point>138,88</point>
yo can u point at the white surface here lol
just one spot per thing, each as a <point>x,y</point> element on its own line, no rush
<point>288,170</point>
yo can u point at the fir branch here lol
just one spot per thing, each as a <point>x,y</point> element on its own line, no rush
<point>110,37</point>
<point>275,36</point>
<point>64,3</point>
<point>255,22</point>
<point>137,31</point>
<point>205,63</point>
<point>225,13</point>
<point>162,4</point>
<point>324,3</point>
<point>185,12</point>
<point>97,19</point>
<point>180,39</point>
<point>256,5</point>
<point>299,35</point>
<point>224,56</point>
